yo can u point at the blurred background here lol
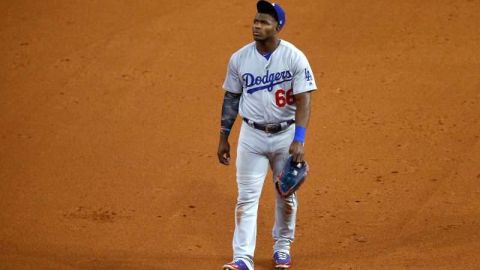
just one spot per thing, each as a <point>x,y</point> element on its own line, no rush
<point>109,119</point>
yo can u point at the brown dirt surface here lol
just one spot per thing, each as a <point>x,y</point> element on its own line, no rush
<point>109,117</point>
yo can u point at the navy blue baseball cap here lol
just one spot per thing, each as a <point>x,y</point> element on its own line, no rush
<point>273,9</point>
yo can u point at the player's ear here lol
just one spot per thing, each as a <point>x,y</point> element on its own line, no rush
<point>277,28</point>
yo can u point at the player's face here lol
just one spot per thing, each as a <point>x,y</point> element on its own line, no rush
<point>264,27</point>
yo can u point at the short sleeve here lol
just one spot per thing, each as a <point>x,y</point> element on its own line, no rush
<point>232,81</point>
<point>303,80</point>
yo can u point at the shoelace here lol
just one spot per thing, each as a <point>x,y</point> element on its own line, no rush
<point>282,255</point>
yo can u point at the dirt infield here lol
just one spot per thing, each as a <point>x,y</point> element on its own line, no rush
<point>109,117</point>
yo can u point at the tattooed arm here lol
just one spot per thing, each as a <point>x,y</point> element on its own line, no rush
<point>231,102</point>
<point>229,111</point>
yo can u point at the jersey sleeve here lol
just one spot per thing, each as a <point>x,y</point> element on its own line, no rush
<point>303,80</point>
<point>232,81</point>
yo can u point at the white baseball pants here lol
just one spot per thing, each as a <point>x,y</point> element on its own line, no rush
<point>255,152</point>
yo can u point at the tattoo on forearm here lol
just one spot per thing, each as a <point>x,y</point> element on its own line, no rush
<point>231,102</point>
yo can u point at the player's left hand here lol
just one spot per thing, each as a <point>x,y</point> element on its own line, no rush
<point>297,151</point>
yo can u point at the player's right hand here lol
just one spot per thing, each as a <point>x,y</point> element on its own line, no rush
<point>223,152</point>
<point>297,151</point>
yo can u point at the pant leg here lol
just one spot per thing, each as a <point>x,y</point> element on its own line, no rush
<point>252,168</point>
<point>283,231</point>
<point>285,218</point>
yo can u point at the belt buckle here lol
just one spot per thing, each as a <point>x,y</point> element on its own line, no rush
<point>271,128</point>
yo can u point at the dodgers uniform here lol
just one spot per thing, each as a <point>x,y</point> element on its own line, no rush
<point>268,84</point>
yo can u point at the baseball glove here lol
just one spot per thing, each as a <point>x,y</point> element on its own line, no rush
<point>292,176</point>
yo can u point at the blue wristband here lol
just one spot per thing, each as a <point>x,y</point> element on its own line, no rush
<point>300,134</point>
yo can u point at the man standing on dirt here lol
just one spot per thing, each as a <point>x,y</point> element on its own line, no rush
<point>268,83</point>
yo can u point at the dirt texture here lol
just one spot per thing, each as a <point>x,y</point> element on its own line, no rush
<point>109,120</point>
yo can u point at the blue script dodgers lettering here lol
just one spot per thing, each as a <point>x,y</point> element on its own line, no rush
<point>266,81</point>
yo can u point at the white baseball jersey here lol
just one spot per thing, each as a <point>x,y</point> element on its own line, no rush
<point>269,86</point>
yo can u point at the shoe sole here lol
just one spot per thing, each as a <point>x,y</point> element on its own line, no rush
<point>281,266</point>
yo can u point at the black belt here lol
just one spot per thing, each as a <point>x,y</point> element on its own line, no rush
<point>270,128</point>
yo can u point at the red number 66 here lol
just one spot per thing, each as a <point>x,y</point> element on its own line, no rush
<point>283,98</point>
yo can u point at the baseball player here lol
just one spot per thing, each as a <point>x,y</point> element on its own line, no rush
<point>268,82</point>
